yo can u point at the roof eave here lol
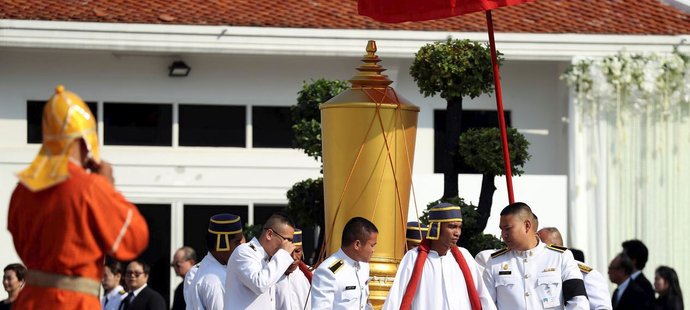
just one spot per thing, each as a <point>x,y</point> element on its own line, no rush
<point>191,39</point>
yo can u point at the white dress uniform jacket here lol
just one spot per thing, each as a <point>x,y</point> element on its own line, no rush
<point>112,300</point>
<point>538,278</point>
<point>597,288</point>
<point>340,283</point>
<point>292,292</point>
<point>188,279</point>
<point>253,275</point>
<point>442,285</point>
<point>208,286</point>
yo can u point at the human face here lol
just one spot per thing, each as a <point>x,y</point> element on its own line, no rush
<point>449,234</point>
<point>366,250</point>
<point>297,257</point>
<point>276,235</point>
<point>515,232</point>
<point>660,284</point>
<point>616,274</point>
<point>11,283</point>
<point>110,280</point>
<point>135,276</point>
<point>180,264</point>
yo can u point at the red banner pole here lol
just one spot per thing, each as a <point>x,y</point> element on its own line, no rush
<point>499,107</point>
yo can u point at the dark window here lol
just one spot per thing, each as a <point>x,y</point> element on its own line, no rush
<point>263,212</point>
<point>137,124</point>
<point>272,127</point>
<point>196,223</point>
<point>212,125</point>
<point>157,254</point>
<point>34,115</point>
<point>470,119</point>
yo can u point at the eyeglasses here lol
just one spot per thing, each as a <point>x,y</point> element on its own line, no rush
<point>177,264</point>
<point>279,235</point>
<point>136,274</point>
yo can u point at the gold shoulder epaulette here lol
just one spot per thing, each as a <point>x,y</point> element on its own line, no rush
<point>252,246</point>
<point>336,266</point>
<point>584,268</point>
<point>499,252</point>
<point>557,248</point>
<point>122,292</point>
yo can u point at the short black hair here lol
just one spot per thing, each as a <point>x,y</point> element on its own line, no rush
<point>144,265</point>
<point>114,266</point>
<point>519,208</point>
<point>625,263</point>
<point>279,218</point>
<point>19,270</point>
<point>357,228</point>
<point>637,251</point>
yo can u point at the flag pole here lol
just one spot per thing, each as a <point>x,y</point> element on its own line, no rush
<point>499,107</point>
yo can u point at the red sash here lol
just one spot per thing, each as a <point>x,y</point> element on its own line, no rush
<point>305,270</point>
<point>423,250</point>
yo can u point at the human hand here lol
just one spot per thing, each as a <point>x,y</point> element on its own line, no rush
<point>104,168</point>
<point>287,246</point>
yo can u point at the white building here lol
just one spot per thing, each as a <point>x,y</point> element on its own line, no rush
<point>246,68</point>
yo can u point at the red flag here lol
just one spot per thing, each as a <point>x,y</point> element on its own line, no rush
<point>396,11</point>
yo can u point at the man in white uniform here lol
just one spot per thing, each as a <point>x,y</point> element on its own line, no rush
<point>528,274</point>
<point>207,288</point>
<point>341,281</point>
<point>292,290</point>
<point>441,282</point>
<point>596,286</point>
<point>255,267</point>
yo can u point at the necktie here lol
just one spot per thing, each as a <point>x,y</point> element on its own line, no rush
<point>127,301</point>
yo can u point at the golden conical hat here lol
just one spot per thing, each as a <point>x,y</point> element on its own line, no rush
<point>65,119</point>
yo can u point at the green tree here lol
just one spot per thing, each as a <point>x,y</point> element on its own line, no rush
<point>306,116</point>
<point>453,69</point>
<point>305,198</point>
<point>481,149</point>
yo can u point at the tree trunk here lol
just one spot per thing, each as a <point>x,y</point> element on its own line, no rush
<point>486,198</point>
<point>450,169</point>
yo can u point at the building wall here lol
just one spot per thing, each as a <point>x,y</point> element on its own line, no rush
<point>183,175</point>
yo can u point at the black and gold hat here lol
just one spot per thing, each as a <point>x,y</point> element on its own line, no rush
<point>221,226</point>
<point>441,213</point>
<point>416,232</point>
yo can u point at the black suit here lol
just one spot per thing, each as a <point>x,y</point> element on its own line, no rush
<point>646,286</point>
<point>632,298</point>
<point>178,300</point>
<point>147,299</point>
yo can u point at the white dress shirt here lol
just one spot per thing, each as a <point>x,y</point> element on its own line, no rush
<point>113,299</point>
<point>207,289</point>
<point>533,279</point>
<point>252,276</point>
<point>292,292</point>
<point>597,288</point>
<point>442,285</point>
<point>340,283</point>
<point>187,283</point>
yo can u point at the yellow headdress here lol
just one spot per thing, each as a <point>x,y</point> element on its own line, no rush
<point>66,118</point>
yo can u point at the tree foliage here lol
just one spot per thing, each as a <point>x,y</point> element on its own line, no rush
<point>306,203</point>
<point>473,237</point>
<point>454,69</point>
<point>306,116</point>
<point>481,149</point>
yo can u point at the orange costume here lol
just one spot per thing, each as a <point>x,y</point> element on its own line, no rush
<point>64,220</point>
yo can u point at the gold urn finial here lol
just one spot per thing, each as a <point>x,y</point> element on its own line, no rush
<point>369,74</point>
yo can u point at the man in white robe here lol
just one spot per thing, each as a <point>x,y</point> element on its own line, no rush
<point>292,290</point>
<point>207,288</point>
<point>442,284</point>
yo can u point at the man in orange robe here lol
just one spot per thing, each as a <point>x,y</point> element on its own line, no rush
<point>65,215</point>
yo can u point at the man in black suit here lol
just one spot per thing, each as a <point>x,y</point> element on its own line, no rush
<point>628,295</point>
<point>140,296</point>
<point>639,254</point>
